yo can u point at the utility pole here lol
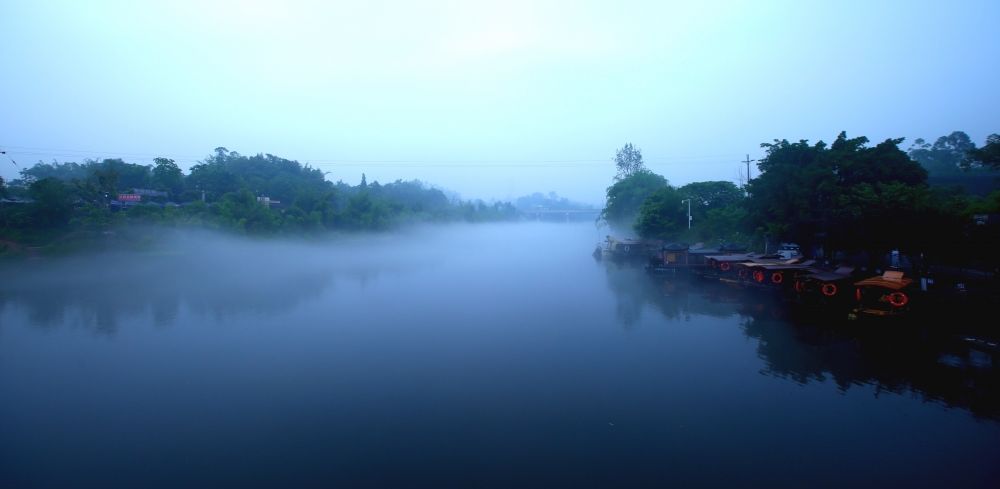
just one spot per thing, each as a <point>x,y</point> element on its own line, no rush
<point>748,161</point>
<point>689,211</point>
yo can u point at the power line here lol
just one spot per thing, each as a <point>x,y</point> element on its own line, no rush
<point>473,163</point>
<point>460,162</point>
<point>9,158</point>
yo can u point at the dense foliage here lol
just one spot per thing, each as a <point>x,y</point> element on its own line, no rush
<point>954,161</point>
<point>626,196</point>
<point>848,196</point>
<point>261,195</point>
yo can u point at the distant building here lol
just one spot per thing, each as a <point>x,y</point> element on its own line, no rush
<point>267,201</point>
<point>147,192</point>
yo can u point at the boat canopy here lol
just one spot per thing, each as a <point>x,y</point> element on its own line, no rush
<point>891,279</point>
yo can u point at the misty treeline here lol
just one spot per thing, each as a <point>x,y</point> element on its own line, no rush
<point>261,195</point>
<point>846,196</point>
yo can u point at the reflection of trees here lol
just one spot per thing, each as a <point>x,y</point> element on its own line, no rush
<point>675,296</point>
<point>939,367</point>
<point>806,346</point>
<point>104,294</point>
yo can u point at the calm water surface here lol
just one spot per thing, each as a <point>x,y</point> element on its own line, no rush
<point>468,356</point>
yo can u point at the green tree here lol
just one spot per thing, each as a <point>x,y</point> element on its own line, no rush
<point>167,176</point>
<point>105,180</point>
<point>628,159</point>
<point>213,179</point>
<point>951,161</point>
<point>711,195</point>
<point>61,171</point>
<point>947,156</point>
<point>364,212</point>
<point>625,197</point>
<point>242,212</point>
<point>662,215</point>
<point>53,202</point>
<point>799,194</point>
<point>989,154</point>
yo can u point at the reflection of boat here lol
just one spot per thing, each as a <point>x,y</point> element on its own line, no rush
<point>885,295</point>
<point>940,367</point>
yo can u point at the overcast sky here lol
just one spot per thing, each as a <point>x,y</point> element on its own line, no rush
<point>489,99</point>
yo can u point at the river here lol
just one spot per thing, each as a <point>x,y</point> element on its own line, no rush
<point>462,356</point>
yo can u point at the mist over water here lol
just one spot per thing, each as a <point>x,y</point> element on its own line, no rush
<point>497,355</point>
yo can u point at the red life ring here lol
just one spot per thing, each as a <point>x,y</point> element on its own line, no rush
<point>898,299</point>
<point>777,277</point>
<point>830,290</point>
<point>800,286</point>
<point>724,266</point>
<point>758,276</point>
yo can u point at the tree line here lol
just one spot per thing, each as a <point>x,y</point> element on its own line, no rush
<point>847,196</point>
<point>225,191</point>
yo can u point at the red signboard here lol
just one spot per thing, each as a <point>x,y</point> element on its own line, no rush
<point>129,197</point>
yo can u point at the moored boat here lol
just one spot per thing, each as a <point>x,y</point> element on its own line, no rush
<point>889,294</point>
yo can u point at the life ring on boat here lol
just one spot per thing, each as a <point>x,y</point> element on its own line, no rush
<point>898,299</point>
<point>830,290</point>
<point>777,277</point>
<point>724,266</point>
<point>758,276</point>
<point>800,286</point>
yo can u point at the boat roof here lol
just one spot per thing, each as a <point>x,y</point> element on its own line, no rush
<point>839,274</point>
<point>789,264</point>
<point>890,280</point>
<point>737,257</point>
<point>784,266</point>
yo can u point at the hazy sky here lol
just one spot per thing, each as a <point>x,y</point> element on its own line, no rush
<point>490,99</point>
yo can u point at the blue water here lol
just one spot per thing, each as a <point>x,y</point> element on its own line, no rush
<point>462,356</point>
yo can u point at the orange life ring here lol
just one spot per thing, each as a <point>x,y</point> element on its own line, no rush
<point>898,299</point>
<point>758,276</point>
<point>777,277</point>
<point>724,266</point>
<point>800,286</point>
<point>830,290</point>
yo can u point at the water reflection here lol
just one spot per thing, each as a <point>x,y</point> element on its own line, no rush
<point>225,281</point>
<point>941,368</point>
<point>809,346</point>
<point>673,298</point>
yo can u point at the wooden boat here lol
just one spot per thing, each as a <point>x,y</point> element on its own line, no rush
<point>887,295</point>
<point>826,286</point>
<point>775,274</point>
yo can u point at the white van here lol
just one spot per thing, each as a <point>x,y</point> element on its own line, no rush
<point>789,250</point>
